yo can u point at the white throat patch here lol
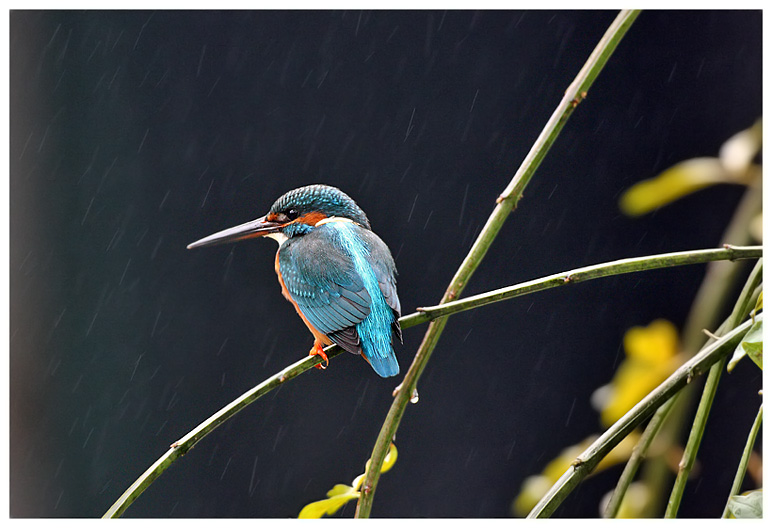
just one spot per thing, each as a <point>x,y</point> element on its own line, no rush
<point>279,237</point>
<point>333,219</point>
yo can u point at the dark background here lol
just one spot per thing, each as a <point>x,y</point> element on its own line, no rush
<point>136,133</point>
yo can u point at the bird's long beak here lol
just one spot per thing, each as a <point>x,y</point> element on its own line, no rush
<point>252,229</point>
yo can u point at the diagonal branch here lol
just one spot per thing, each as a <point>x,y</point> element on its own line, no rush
<point>506,203</point>
<point>586,462</point>
<point>184,444</point>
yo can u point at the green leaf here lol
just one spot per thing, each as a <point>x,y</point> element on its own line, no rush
<point>755,352</point>
<point>751,345</point>
<point>339,495</point>
<point>747,506</point>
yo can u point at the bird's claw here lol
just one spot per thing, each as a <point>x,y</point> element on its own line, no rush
<point>318,351</point>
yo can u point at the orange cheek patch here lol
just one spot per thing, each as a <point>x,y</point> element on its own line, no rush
<point>312,218</point>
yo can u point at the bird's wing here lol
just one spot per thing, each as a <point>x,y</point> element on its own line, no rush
<point>385,272</point>
<point>326,288</point>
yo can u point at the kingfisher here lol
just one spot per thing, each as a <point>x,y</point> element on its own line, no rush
<point>337,273</point>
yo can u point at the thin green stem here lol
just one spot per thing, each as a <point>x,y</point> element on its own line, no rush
<point>636,458</point>
<point>741,309</point>
<point>721,278</point>
<point>183,445</point>
<point>739,312</point>
<point>506,203</point>
<point>741,469</point>
<point>719,281</point>
<point>617,267</point>
<point>695,438</point>
<point>588,460</point>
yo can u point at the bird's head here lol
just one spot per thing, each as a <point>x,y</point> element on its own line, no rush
<point>295,213</point>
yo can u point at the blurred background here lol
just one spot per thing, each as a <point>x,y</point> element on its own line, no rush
<point>135,133</point>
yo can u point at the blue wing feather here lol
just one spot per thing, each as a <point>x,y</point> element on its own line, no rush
<point>342,278</point>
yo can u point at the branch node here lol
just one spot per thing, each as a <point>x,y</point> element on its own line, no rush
<point>731,249</point>
<point>578,99</point>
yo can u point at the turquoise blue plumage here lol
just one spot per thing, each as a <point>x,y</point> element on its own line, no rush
<point>339,275</point>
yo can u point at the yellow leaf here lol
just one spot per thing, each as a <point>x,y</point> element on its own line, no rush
<point>650,353</point>
<point>677,181</point>
<point>655,343</point>
<point>340,489</point>
<point>756,228</point>
<point>316,510</point>
<point>634,502</point>
<point>391,458</point>
<point>759,304</point>
<point>340,494</point>
<point>534,487</point>
<point>388,462</point>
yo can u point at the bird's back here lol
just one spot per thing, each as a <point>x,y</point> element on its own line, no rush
<point>343,279</point>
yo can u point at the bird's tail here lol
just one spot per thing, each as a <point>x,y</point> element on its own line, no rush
<point>384,366</point>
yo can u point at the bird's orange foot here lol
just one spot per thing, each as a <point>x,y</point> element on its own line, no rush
<point>317,351</point>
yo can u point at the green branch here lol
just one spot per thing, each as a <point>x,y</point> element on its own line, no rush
<point>740,311</point>
<point>636,458</point>
<point>184,444</point>
<point>695,438</point>
<point>740,475</point>
<point>587,461</point>
<point>617,267</point>
<point>506,203</point>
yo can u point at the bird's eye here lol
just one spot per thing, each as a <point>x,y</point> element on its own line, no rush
<point>292,214</point>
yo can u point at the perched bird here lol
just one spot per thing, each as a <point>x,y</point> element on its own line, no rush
<point>338,274</point>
